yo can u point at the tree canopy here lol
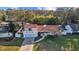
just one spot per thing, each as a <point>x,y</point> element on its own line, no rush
<point>60,16</point>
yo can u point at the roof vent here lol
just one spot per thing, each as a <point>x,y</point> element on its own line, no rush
<point>44,25</point>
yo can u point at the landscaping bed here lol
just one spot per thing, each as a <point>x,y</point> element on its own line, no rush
<point>60,43</point>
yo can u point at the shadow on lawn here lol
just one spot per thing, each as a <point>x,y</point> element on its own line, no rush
<point>13,45</point>
<point>16,42</point>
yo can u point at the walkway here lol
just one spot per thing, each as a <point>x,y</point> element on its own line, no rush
<point>27,44</point>
<point>43,37</point>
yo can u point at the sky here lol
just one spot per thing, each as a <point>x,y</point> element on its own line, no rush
<point>47,8</point>
<point>32,8</point>
<point>50,8</point>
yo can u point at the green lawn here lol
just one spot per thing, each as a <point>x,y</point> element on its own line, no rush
<point>60,43</point>
<point>11,45</point>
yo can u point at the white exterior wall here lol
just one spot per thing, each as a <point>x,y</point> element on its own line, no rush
<point>33,33</point>
<point>17,35</point>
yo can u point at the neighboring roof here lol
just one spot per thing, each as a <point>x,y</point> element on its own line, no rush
<point>4,29</point>
<point>75,27</point>
<point>43,28</point>
<point>3,23</point>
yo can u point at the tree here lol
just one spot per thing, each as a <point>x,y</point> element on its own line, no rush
<point>12,28</point>
<point>3,18</point>
<point>77,14</point>
<point>71,16</point>
<point>2,15</point>
<point>62,14</point>
<point>52,21</point>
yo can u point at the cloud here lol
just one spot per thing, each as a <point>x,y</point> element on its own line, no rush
<point>40,8</point>
<point>49,8</point>
<point>14,7</point>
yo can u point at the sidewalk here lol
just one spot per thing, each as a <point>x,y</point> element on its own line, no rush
<point>27,44</point>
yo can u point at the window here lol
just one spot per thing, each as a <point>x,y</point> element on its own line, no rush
<point>30,29</point>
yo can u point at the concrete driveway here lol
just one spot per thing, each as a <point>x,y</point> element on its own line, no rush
<point>27,44</point>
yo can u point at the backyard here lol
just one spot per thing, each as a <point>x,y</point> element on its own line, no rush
<point>60,43</point>
<point>11,45</point>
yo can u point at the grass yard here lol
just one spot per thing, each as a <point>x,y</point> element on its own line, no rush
<point>11,45</point>
<point>61,43</point>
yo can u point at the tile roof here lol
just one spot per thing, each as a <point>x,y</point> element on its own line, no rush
<point>27,25</point>
<point>48,28</point>
<point>43,28</point>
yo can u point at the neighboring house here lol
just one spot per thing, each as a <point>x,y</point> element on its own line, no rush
<point>4,30</point>
<point>32,30</point>
<point>75,28</point>
<point>67,29</point>
<point>71,28</point>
